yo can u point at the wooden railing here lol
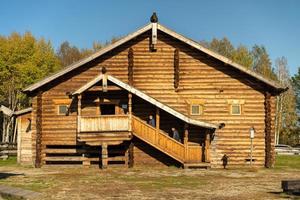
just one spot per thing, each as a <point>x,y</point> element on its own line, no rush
<point>184,153</point>
<point>158,139</point>
<point>103,123</point>
<point>194,154</point>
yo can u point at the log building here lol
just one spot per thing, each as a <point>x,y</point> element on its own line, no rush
<point>96,111</point>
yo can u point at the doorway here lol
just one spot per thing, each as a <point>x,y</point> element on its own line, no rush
<point>107,109</point>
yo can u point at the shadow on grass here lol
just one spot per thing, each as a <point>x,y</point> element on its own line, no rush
<point>289,195</point>
<point>7,175</point>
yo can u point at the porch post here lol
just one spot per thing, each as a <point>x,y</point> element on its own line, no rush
<point>78,113</point>
<point>104,156</point>
<point>131,155</point>
<point>207,146</point>
<point>185,141</point>
<point>157,123</point>
<point>130,112</point>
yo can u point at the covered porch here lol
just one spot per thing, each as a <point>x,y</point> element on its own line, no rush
<point>111,112</point>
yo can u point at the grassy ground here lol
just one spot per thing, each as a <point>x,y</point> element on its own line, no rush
<point>11,161</point>
<point>287,162</point>
<point>152,183</point>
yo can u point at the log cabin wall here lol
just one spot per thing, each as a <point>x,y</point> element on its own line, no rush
<point>201,77</point>
<point>24,140</point>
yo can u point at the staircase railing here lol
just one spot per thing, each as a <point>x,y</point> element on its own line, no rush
<point>159,139</point>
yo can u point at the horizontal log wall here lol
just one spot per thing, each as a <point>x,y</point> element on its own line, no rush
<point>201,77</point>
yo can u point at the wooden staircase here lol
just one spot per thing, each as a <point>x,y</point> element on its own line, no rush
<point>160,140</point>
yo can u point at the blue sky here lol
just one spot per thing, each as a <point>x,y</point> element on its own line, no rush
<point>273,23</point>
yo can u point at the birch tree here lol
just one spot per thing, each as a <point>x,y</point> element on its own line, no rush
<point>23,60</point>
<point>286,116</point>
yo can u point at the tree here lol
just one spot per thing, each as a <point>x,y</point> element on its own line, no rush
<point>286,116</point>
<point>261,62</point>
<point>243,56</point>
<point>223,47</point>
<point>23,60</point>
<point>68,54</point>
<point>296,86</point>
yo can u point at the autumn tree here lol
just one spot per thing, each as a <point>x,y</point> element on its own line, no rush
<point>23,60</point>
<point>261,62</point>
<point>243,56</point>
<point>69,54</point>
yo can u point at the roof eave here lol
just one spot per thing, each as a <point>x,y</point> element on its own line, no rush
<point>219,57</point>
<point>81,62</point>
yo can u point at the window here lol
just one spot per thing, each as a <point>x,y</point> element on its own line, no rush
<point>235,109</point>
<point>62,109</point>
<point>196,109</point>
<point>235,106</point>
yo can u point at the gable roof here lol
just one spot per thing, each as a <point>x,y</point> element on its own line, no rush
<point>140,31</point>
<point>146,98</point>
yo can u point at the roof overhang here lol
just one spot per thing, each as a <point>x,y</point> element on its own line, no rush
<point>6,110</point>
<point>10,112</point>
<point>23,111</point>
<point>145,97</point>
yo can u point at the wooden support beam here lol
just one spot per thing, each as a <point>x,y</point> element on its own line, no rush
<point>207,147</point>
<point>130,111</point>
<point>98,88</point>
<point>85,161</point>
<point>176,69</point>
<point>157,120</point>
<point>78,112</point>
<point>104,83</point>
<point>185,140</point>
<point>153,37</point>
<point>131,155</point>
<point>130,66</point>
<point>269,154</point>
<point>104,156</point>
<point>39,126</point>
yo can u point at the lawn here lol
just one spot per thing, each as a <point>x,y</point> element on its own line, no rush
<point>152,183</point>
<point>287,162</point>
<point>11,161</point>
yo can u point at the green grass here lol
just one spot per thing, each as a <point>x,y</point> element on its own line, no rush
<point>11,161</point>
<point>287,162</point>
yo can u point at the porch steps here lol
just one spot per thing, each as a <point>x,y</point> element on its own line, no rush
<point>202,165</point>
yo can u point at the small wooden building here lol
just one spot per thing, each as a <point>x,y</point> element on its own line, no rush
<point>95,111</point>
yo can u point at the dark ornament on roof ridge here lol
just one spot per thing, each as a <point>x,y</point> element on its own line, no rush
<point>154,18</point>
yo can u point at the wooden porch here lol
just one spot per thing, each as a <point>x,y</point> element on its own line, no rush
<point>116,129</point>
<point>117,120</point>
